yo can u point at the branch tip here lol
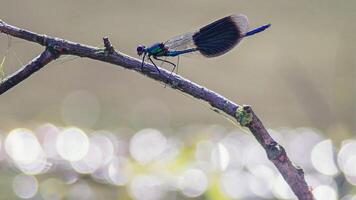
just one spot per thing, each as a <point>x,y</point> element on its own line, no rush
<point>108,46</point>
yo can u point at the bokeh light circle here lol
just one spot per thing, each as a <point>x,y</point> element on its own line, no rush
<point>25,186</point>
<point>193,182</point>
<point>81,190</point>
<point>72,144</point>
<point>105,145</point>
<point>322,157</point>
<point>146,187</point>
<point>234,184</point>
<point>347,157</point>
<point>220,157</point>
<point>52,189</point>
<point>146,145</point>
<point>90,162</point>
<point>22,146</point>
<point>325,192</point>
<point>119,171</point>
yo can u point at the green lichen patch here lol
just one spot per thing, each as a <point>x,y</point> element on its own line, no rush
<point>242,116</point>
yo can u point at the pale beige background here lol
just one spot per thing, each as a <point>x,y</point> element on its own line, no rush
<point>300,72</point>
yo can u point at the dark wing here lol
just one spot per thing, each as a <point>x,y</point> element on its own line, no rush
<point>213,39</point>
<point>220,36</point>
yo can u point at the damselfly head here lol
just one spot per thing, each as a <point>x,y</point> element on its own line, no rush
<point>141,49</point>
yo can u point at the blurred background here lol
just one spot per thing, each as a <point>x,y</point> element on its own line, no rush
<point>83,129</point>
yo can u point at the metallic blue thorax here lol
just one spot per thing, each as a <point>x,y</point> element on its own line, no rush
<point>158,50</point>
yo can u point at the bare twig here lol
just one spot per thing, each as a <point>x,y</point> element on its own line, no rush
<point>36,64</point>
<point>56,47</point>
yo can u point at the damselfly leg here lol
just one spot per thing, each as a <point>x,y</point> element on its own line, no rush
<point>143,63</point>
<point>159,72</point>
<point>177,64</point>
<point>166,61</point>
<point>165,58</point>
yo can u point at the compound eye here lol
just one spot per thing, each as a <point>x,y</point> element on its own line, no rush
<point>140,49</point>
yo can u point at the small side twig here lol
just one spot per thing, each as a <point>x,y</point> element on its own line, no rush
<point>108,47</point>
<point>55,47</point>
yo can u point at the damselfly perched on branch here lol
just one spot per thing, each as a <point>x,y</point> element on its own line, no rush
<point>211,40</point>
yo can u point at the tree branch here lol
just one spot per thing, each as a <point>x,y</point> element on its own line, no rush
<point>56,47</point>
<point>34,65</point>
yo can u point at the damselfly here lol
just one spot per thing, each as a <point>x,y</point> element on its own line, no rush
<point>211,40</point>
